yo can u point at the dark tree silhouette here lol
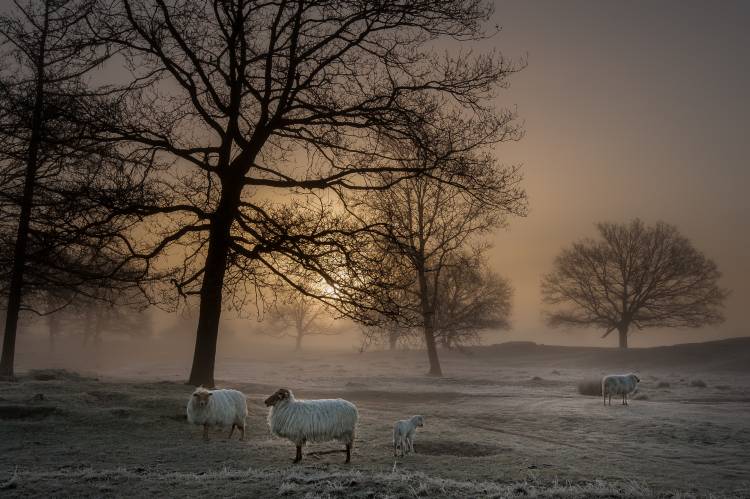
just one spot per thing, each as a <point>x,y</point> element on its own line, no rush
<point>54,233</point>
<point>633,275</point>
<point>471,298</point>
<point>247,101</point>
<point>431,219</point>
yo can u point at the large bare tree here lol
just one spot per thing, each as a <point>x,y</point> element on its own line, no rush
<point>633,275</point>
<point>250,106</point>
<point>55,236</point>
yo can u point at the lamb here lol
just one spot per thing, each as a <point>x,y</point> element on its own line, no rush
<point>403,434</point>
<point>619,384</point>
<point>302,421</point>
<point>217,408</point>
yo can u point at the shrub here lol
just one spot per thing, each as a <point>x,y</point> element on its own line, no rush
<point>662,384</point>
<point>698,383</point>
<point>592,387</point>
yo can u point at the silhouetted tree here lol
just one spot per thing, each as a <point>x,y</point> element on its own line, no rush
<point>633,275</point>
<point>430,219</point>
<point>247,101</point>
<point>58,242</point>
<point>44,52</point>
<point>471,298</point>
<point>298,316</point>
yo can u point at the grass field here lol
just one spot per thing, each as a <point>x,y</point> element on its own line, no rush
<point>501,424</point>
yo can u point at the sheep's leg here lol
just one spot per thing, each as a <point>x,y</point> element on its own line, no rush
<point>231,431</point>
<point>298,458</point>
<point>348,453</point>
<point>205,433</point>
<point>242,433</point>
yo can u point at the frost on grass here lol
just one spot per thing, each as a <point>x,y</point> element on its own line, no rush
<point>311,483</point>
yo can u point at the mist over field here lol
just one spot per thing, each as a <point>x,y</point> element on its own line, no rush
<point>374,249</point>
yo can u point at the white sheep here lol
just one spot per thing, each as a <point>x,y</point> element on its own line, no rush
<point>619,384</point>
<point>217,408</point>
<point>302,421</point>
<point>403,434</point>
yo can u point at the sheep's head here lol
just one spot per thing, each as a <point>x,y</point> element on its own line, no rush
<point>419,421</point>
<point>636,378</point>
<point>281,394</point>
<point>201,396</point>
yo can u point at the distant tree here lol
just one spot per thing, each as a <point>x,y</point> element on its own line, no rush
<point>471,299</point>
<point>298,316</point>
<point>633,275</point>
<point>429,220</point>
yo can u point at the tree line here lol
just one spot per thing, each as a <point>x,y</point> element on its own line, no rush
<point>224,153</point>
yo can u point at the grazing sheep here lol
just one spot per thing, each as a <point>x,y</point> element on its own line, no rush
<point>302,421</point>
<point>619,384</point>
<point>217,408</point>
<point>403,434</point>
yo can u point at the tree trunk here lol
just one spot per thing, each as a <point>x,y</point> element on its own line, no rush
<point>432,354</point>
<point>298,342</point>
<point>392,340</point>
<point>428,315</point>
<point>53,327</point>
<point>623,333</point>
<point>204,358</point>
<point>15,286</point>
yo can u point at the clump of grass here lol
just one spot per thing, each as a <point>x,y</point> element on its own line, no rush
<point>663,384</point>
<point>536,378</point>
<point>641,396</point>
<point>592,387</point>
<point>55,375</point>
<point>698,383</point>
<point>723,387</point>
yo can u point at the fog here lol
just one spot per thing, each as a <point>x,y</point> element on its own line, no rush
<point>631,109</point>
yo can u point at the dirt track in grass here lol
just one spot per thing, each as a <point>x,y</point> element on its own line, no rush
<point>491,430</point>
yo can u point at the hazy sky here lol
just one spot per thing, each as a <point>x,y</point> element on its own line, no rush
<point>631,109</point>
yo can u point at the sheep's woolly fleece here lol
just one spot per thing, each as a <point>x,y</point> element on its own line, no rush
<point>322,420</point>
<point>619,384</point>
<point>224,408</point>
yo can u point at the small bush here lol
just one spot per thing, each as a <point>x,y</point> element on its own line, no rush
<point>723,387</point>
<point>698,383</point>
<point>592,387</point>
<point>54,375</point>
<point>662,384</point>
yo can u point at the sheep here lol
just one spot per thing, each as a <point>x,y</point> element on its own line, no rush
<point>302,421</point>
<point>219,408</point>
<point>403,434</point>
<point>619,384</point>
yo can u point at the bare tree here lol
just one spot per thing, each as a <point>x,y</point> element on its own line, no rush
<point>471,299</point>
<point>634,275</point>
<point>54,234</point>
<point>298,316</point>
<point>430,219</point>
<point>250,107</point>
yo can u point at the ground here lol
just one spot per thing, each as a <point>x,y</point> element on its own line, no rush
<point>498,425</point>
